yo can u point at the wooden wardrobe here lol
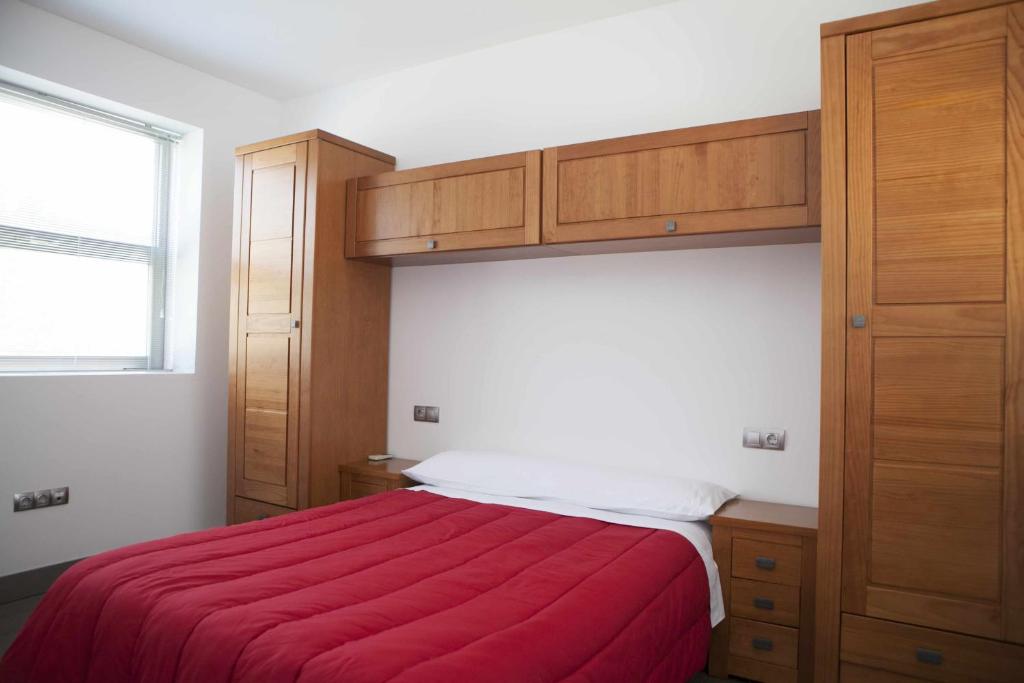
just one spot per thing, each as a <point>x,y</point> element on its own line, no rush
<point>307,384</point>
<point>921,536</point>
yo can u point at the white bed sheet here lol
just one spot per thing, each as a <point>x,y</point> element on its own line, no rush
<point>697,533</point>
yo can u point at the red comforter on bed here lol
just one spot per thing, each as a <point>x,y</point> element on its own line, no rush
<point>402,586</point>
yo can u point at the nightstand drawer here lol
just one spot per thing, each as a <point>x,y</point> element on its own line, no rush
<point>765,561</point>
<point>763,642</point>
<point>360,487</point>
<point>772,602</point>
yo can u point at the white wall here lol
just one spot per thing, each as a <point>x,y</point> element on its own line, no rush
<point>144,454</point>
<point>660,359</point>
<point>654,361</point>
<point>685,63</point>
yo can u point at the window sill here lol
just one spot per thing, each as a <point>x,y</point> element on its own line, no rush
<point>91,373</point>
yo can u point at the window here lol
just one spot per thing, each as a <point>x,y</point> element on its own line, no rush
<point>84,215</point>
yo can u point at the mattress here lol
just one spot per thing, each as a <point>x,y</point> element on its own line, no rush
<point>401,586</point>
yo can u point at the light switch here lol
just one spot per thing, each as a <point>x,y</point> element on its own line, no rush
<point>751,439</point>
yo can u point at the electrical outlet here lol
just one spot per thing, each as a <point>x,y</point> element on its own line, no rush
<point>774,440</point>
<point>426,414</point>
<point>771,439</point>
<point>60,495</point>
<point>43,498</point>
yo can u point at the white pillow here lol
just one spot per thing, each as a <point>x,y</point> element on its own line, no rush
<point>524,476</point>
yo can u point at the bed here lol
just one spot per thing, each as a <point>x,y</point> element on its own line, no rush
<point>428,584</point>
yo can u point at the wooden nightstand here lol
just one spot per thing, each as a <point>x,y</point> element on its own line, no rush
<point>365,478</point>
<point>766,556</point>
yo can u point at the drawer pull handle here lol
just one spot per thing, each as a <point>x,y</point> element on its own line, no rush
<point>431,244</point>
<point>764,603</point>
<point>670,226</point>
<point>926,656</point>
<point>764,563</point>
<point>262,515</point>
<point>764,644</point>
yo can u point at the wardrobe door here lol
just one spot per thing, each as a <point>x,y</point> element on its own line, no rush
<point>268,325</point>
<point>933,478</point>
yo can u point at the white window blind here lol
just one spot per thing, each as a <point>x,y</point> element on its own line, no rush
<point>84,213</point>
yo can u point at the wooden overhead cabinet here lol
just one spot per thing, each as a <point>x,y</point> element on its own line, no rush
<point>922,473</point>
<point>745,175</point>
<point>309,329</point>
<point>478,204</point>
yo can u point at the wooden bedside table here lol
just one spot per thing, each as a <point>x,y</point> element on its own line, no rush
<point>365,478</point>
<point>766,557</point>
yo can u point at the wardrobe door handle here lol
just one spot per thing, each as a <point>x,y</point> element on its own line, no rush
<point>764,603</point>
<point>431,244</point>
<point>670,226</point>
<point>926,656</point>
<point>764,563</point>
<point>764,644</point>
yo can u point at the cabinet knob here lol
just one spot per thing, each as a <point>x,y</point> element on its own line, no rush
<point>764,562</point>
<point>859,321</point>
<point>295,324</point>
<point>764,644</point>
<point>670,226</point>
<point>764,603</point>
<point>926,656</point>
<point>262,515</point>
<point>431,244</point>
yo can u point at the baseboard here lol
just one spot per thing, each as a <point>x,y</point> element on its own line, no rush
<point>31,582</point>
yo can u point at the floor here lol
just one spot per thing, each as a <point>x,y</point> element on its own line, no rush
<point>14,614</point>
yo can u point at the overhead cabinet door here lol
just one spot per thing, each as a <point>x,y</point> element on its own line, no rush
<point>269,328</point>
<point>746,175</point>
<point>483,203</point>
<point>934,451</point>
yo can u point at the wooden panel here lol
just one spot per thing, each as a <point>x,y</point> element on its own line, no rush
<point>482,201</point>
<point>782,642</point>
<point>936,529</point>
<point>246,510</point>
<point>767,125</point>
<point>939,320</point>
<point>860,214</point>
<point>270,276</point>
<point>266,446</point>
<point>273,192</point>
<point>940,113</point>
<point>714,176</point>
<point>761,671</point>
<point>894,647</point>
<point>940,33</point>
<point>771,602</point>
<point>769,517</point>
<point>344,360</point>
<point>855,673</point>
<point>808,592</point>
<point>904,15</point>
<point>1013,468</point>
<point>266,372</point>
<point>940,238</point>
<point>721,547</point>
<point>395,211</point>
<point>361,151</point>
<point>939,400</point>
<point>937,611</point>
<point>786,558</point>
<point>833,357</point>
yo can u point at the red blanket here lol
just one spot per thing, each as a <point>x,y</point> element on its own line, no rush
<point>402,586</point>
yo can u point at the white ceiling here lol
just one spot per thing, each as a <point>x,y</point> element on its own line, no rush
<point>288,48</point>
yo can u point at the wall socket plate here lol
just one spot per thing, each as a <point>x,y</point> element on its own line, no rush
<point>426,414</point>
<point>770,439</point>
<point>43,498</point>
